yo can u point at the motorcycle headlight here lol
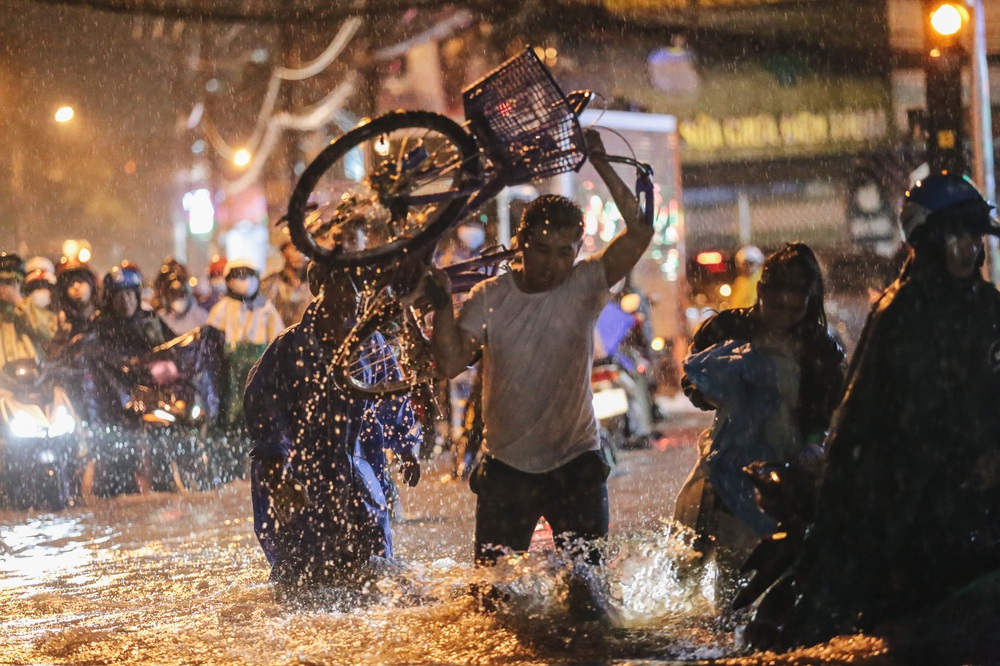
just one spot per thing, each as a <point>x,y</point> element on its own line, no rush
<point>164,416</point>
<point>61,423</point>
<point>24,425</point>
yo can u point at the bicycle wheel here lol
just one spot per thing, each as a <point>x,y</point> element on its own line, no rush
<point>391,185</point>
<point>385,354</point>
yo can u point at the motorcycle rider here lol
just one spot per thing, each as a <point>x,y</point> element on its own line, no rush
<point>18,338</point>
<point>249,322</point>
<point>122,333</point>
<point>909,497</point>
<point>37,291</point>
<point>76,301</point>
<point>177,307</point>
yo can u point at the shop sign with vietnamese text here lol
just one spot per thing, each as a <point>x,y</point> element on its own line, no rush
<point>777,134</point>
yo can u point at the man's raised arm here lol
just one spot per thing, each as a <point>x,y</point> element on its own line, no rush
<point>625,250</point>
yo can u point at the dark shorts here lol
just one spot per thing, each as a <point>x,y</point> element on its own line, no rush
<point>573,498</point>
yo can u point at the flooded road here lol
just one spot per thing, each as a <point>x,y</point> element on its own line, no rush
<point>180,579</point>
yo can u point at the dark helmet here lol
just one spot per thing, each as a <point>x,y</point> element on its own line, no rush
<point>173,286</point>
<point>71,270</point>
<point>125,276</point>
<point>941,196</point>
<point>11,266</point>
<point>172,274</point>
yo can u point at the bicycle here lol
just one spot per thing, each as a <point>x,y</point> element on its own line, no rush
<point>390,188</point>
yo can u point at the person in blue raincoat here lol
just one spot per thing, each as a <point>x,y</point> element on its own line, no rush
<point>390,426</point>
<point>774,374</point>
<point>320,513</point>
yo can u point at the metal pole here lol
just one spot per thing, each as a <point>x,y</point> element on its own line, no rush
<point>982,123</point>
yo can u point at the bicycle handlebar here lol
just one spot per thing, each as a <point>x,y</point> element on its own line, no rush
<point>643,185</point>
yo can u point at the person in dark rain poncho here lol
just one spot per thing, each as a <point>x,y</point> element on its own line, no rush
<point>909,504</point>
<point>320,512</point>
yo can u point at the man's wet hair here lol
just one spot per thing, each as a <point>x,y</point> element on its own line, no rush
<point>552,212</point>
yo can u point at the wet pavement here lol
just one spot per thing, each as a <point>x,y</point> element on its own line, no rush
<point>171,579</point>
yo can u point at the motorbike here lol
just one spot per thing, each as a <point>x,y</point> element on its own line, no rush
<point>176,399</point>
<point>42,444</point>
<point>622,400</point>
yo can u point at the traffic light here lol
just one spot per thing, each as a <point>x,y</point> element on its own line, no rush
<point>945,26</point>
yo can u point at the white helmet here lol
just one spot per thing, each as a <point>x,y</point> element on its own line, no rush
<point>244,266</point>
<point>749,255</point>
<point>40,264</point>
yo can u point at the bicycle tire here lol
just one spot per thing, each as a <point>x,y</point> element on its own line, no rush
<point>467,171</point>
<point>375,362</point>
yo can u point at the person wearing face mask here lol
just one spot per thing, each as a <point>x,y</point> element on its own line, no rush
<point>38,291</point>
<point>177,307</point>
<point>909,498</point>
<point>249,322</point>
<point>288,288</point>
<point>18,338</point>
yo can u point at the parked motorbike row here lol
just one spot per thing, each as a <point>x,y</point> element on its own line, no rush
<point>54,450</point>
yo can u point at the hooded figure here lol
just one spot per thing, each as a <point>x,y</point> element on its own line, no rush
<point>909,503</point>
<point>320,512</point>
<point>121,334</point>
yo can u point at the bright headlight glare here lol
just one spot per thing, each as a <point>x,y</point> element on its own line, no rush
<point>163,415</point>
<point>23,424</point>
<point>62,422</point>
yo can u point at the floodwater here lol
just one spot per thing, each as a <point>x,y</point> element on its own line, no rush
<point>180,579</point>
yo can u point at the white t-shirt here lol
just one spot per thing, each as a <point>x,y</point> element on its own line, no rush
<point>537,357</point>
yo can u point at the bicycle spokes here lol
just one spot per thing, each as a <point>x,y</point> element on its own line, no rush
<point>384,187</point>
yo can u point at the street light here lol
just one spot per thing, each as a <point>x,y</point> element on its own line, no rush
<point>241,157</point>
<point>64,114</point>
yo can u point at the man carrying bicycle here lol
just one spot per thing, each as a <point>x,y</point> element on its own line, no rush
<point>534,327</point>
